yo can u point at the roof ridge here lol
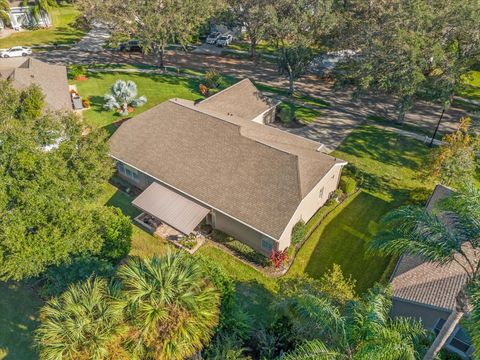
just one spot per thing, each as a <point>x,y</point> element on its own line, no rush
<point>202,112</point>
<point>227,88</point>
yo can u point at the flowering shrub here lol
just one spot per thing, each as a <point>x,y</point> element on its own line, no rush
<point>278,258</point>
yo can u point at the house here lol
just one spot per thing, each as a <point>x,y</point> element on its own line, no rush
<point>52,79</point>
<point>210,161</point>
<point>427,291</point>
<point>22,16</point>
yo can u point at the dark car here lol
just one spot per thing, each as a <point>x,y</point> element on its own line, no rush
<point>131,46</point>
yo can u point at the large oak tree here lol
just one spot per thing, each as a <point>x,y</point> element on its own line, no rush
<point>50,176</point>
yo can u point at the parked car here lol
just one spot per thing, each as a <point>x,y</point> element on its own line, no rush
<point>224,40</point>
<point>16,51</point>
<point>213,37</point>
<point>131,46</point>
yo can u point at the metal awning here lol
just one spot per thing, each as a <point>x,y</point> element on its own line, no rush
<point>170,207</point>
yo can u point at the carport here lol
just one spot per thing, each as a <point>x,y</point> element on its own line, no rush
<point>170,207</point>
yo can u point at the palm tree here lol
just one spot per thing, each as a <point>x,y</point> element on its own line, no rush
<point>449,234</point>
<point>122,94</point>
<point>361,330</point>
<point>171,307</point>
<point>81,323</point>
<point>4,12</point>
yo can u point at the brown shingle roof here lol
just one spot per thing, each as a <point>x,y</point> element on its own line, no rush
<point>429,283</point>
<point>250,171</point>
<point>52,79</point>
<point>241,100</point>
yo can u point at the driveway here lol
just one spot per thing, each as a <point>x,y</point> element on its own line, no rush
<point>94,40</point>
<point>335,122</point>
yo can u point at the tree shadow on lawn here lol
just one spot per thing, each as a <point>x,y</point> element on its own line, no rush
<point>255,299</point>
<point>385,147</point>
<point>19,307</point>
<point>345,241</point>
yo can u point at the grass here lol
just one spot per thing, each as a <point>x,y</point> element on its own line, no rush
<point>157,89</point>
<point>263,48</point>
<point>64,30</point>
<point>471,88</point>
<point>393,171</point>
<point>19,306</point>
<point>254,291</point>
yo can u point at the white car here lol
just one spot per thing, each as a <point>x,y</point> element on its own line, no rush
<point>224,40</point>
<point>16,51</point>
<point>213,37</point>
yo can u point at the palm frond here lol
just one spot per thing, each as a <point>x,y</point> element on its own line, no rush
<point>313,350</point>
<point>80,322</point>
<point>412,230</point>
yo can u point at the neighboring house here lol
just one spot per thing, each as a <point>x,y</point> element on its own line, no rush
<point>52,79</point>
<point>210,161</point>
<point>21,16</point>
<point>427,291</point>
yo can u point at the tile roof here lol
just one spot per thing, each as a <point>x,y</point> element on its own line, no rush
<point>52,79</point>
<point>241,100</point>
<point>428,283</point>
<point>255,173</point>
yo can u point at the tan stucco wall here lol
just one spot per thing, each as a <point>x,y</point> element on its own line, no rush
<point>240,232</point>
<point>267,117</point>
<point>311,203</point>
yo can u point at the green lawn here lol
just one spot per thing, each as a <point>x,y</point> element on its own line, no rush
<point>472,86</point>
<point>19,306</point>
<point>392,167</point>
<point>263,48</point>
<point>157,89</point>
<point>65,30</point>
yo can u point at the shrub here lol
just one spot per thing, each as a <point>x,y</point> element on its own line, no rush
<point>77,71</point>
<point>58,278</point>
<point>116,231</point>
<point>188,241</point>
<point>348,185</point>
<point>85,103</point>
<point>285,114</point>
<point>240,249</point>
<point>298,232</point>
<point>213,79</point>
<point>278,258</point>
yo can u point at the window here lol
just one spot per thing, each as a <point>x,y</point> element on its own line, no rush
<point>459,341</point>
<point>267,244</point>
<point>320,195</point>
<point>128,171</point>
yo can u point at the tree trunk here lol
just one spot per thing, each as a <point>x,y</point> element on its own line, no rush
<point>291,79</point>
<point>253,48</point>
<point>449,326</point>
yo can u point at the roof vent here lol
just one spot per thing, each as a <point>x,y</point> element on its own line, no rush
<point>320,148</point>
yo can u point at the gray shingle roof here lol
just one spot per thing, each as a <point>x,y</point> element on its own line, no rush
<point>241,100</point>
<point>52,79</point>
<point>428,283</point>
<point>250,171</point>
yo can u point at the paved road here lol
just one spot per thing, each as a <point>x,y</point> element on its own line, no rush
<point>335,122</point>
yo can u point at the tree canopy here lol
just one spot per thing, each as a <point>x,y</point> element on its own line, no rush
<point>409,49</point>
<point>50,174</point>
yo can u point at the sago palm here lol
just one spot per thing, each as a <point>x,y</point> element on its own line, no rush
<point>171,307</point>
<point>361,330</point>
<point>81,323</point>
<point>451,233</point>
